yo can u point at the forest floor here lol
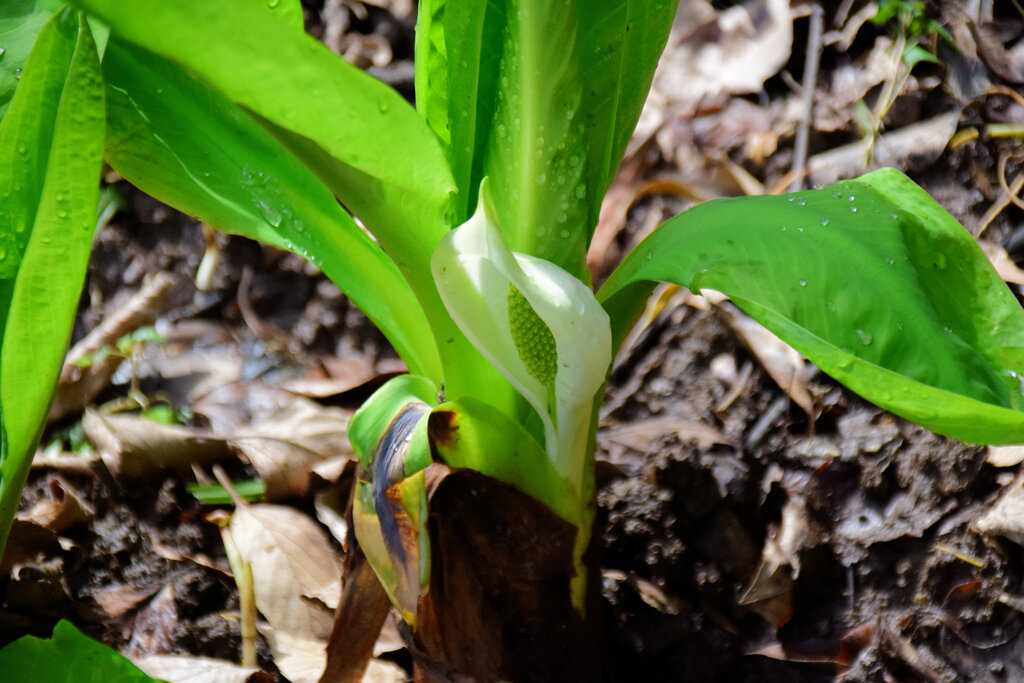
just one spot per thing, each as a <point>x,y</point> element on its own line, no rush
<point>757,521</point>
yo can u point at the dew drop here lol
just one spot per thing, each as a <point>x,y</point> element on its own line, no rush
<point>581,192</point>
<point>22,149</point>
<point>791,199</point>
<point>853,209</point>
<point>564,234</point>
<point>803,283</point>
<point>61,213</point>
<point>783,228</point>
<point>824,221</point>
<point>800,229</point>
<point>273,3</point>
<point>890,261</point>
<point>802,202</point>
<point>864,336</point>
<point>650,253</point>
<point>851,197</point>
<point>2,51</point>
<point>17,73</point>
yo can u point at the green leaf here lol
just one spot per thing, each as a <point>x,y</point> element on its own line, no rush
<point>51,144</point>
<point>388,168</point>
<point>67,657</point>
<point>187,145</point>
<point>537,140</point>
<point>450,92</point>
<point>620,42</point>
<point>20,23</point>
<point>872,281</point>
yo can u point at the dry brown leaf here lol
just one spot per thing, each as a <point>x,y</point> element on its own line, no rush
<point>133,446</point>
<point>296,573</point>
<point>920,142</point>
<point>770,590</point>
<point>642,434</point>
<point>192,669</point>
<point>300,659</point>
<point>733,51</point>
<point>1005,456</point>
<point>118,600</point>
<point>1006,517</point>
<point>60,509</point>
<point>330,505</point>
<point>781,361</point>
<point>344,374</point>
<point>286,446</point>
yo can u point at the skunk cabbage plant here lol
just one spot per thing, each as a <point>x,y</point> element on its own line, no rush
<point>475,210</point>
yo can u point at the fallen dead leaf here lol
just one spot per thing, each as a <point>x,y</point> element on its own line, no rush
<point>642,434</point>
<point>296,573</point>
<point>60,509</point>
<point>1006,517</point>
<point>781,361</point>
<point>1005,456</point>
<point>285,446</point>
<point>133,446</point>
<point>192,669</point>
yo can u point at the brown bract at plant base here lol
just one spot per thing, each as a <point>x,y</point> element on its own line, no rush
<point>474,497</point>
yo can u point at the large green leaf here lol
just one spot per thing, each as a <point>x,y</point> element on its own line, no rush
<point>389,169</point>
<point>20,23</point>
<point>184,143</point>
<point>872,281</point>
<point>537,141</point>
<point>67,657</point>
<point>620,42</point>
<point>51,148</point>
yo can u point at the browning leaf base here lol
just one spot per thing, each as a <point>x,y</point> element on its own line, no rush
<point>498,606</point>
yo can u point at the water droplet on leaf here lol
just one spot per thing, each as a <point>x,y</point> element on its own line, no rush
<point>864,336</point>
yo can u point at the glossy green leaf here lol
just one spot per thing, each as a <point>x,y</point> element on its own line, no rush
<point>388,168</point>
<point>872,281</point>
<point>187,145</point>
<point>454,49</point>
<point>68,656</point>
<point>20,23</point>
<point>537,140</point>
<point>51,145</point>
<point>620,42</point>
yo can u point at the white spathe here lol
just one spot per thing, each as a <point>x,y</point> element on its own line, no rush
<point>474,270</point>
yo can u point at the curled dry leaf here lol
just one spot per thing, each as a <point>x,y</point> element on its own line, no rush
<point>285,447</point>
<point>133,446</point>
<point>770,592</point>
<point>1006,517</point>
<point>1001,261</point>
<point>641,434</point>
<point>191,669</point>
<point>780,360</point>
<point>713,52</point>
<point>60,509</point>
<point>1005,456</point>
<point>296,573</point>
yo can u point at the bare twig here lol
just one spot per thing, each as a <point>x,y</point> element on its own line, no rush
<point>809,82</point>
